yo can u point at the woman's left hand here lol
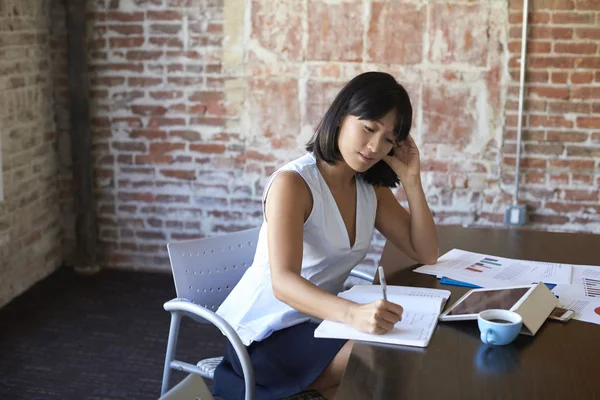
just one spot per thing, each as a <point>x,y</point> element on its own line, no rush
<point>405,162</point>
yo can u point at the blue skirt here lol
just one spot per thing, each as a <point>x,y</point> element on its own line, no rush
<point>284,364</point>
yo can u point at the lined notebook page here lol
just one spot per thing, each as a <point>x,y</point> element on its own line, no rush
<point>422,307</point>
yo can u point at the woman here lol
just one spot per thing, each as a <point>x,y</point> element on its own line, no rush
<point>320,211</point>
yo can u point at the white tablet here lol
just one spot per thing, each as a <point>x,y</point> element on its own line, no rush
<point>477,300</point>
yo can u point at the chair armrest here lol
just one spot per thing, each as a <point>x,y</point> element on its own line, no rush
<point>362,275</point>
<point>195,311</point>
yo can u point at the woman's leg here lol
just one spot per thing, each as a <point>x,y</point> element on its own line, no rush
<point>330,378</point>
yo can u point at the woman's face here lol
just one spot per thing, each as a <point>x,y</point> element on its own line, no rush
<point>364,142</point>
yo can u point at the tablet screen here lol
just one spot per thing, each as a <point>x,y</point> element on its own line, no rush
<point>478,301</point>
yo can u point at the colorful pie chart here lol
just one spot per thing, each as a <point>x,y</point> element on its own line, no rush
<point>597,310</point>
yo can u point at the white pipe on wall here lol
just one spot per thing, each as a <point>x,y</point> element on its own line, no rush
<point>521,96</point>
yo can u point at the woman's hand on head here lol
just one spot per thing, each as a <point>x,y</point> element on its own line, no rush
<point>378,317</point>
<point>405,161</point>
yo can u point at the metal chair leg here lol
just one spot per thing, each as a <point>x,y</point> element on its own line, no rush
<point>171,346</point>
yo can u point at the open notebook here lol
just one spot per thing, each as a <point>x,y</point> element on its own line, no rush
<point>422,306</point>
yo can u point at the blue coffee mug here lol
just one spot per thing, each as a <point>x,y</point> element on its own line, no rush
<point>499,327</point>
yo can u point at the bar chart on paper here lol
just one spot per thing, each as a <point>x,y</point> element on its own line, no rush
<point>591,287</point>
<point>486,263</point>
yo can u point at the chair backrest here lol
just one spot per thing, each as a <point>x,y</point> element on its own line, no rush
<point>205,270</point>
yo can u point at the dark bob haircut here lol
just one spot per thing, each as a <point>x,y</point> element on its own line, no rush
<point>368,96</point>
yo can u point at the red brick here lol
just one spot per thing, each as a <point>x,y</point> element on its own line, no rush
<point>533,46</point>
<point>549,121</point>
<point>560,77</point>
<point>143,82</point>
<point>568,107</point>
<point>583,151</point>
<point>544,148</point>
<point>166,29</point>
<point>336,31</point>
<point>189,135</point>
<point>166,95</point>
<point>575,165</point>
<point>129,146</point>
<point>165,147</point>
<point>587,62</point>
<point>530,76</point>
<point>125,16</point>
<point>186,80</point>
<point>582,77</point>
<point>147,110</point>
<point>535,178</point>
<point>168,198</point>
<point>549,92</point>
<point>550,62</point>
<point>559,179</point>
<point>118,67</point>
<point>581,179</point>
<point>164,15</point>
<point>587,33</point>
<point>385,28</point>
<point>130,122</point>
<point>153,159</point>
<point>210,121</point>
<point>545,32</point>
<point>157,122</point>
<point>588,122</point>
<point>585,92</point>
<point>548,219</point>
<point>534,17</point>
<point>148,134</point>
<point>563,208</point>
<point>140,55</point>
<point>179,174</point>
<point>136,197</point>
<point>569,18</point>
<point>210,148</point>
<point>579,195</point>
<point>526,162</point>
<point>127,29</point>
<point>283,17</point>
<point>566,136</point>
<point>166,42</point>
<point>126,42</point>
<point>575,48</point>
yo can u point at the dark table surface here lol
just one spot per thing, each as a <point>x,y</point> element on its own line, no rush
<point>562,361</point>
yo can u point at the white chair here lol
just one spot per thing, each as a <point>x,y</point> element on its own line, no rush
<point>205,270</point>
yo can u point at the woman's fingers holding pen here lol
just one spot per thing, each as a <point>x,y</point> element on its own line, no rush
<point>389,311</point>
<point>377,317</point>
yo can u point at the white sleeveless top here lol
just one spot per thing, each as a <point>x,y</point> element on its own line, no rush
<point>327,259</point>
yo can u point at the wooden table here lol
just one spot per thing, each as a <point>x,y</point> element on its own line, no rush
<point>561,362</point>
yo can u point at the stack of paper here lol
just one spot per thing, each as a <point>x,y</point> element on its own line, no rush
<point>490,271</point>
<point>577,286</point>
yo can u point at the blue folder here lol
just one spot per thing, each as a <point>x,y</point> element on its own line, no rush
<point>448,281</point>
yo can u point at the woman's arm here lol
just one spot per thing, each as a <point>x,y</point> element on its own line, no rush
<point>288,205</point>
<point>413,233</point>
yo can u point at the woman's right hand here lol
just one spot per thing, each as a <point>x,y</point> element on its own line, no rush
<point>378,317</point>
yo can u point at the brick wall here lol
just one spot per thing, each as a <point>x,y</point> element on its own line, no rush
<point>561,124</point>
<point>196,102</point>
<point>30,216</point>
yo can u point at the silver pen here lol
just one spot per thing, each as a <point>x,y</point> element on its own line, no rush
<point>382,281</point>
